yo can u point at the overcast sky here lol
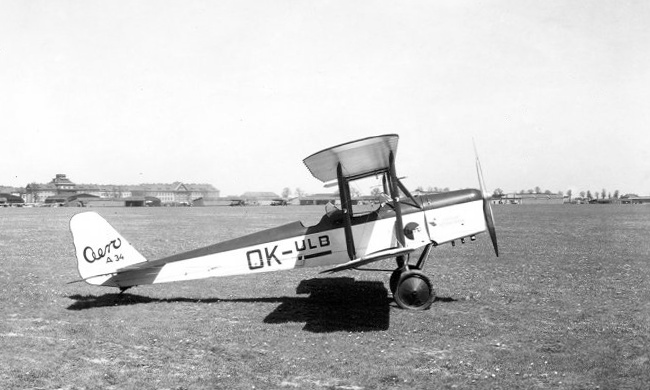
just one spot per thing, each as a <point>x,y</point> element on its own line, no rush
<point>556,94</point>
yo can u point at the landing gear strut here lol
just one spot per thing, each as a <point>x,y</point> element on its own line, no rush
<point>411,288</point>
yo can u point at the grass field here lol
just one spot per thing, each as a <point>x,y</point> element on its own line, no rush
<point>567,305</point>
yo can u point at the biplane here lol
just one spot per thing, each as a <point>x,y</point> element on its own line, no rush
<point>343,239</point>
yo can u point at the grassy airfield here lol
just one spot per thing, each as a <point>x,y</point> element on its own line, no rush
<point>566,306</point>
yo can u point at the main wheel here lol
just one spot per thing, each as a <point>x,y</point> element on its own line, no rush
<point>394,278</point>
<point>414,291</point>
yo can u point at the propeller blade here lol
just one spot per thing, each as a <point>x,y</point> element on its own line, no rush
<point>479,172</point>
<point>489,221</point>
<point>487,207</point>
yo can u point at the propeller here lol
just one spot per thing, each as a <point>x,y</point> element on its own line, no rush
<point>487,208</point>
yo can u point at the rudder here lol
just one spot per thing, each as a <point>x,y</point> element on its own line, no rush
<point>100,249</point>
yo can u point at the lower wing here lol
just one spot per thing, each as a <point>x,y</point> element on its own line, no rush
<point>376,256</point>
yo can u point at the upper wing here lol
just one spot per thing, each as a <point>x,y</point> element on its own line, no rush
<point>357,158</point>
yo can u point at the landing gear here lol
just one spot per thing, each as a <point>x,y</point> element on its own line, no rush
<point>411,288</point>
<point>394,279</point>
<point>414,291</point>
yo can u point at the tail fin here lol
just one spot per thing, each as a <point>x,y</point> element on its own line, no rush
<point>100,249</point>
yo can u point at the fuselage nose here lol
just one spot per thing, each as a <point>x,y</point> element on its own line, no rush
<point>444,199</point>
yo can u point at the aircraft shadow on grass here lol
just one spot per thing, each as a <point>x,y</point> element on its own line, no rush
<point>332,304</point>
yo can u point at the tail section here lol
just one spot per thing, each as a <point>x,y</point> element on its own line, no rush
<point>100,249</point>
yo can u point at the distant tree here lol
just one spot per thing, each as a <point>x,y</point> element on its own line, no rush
<point>354,192</point>
<point>376,191</point>
<point>547,192</point>
<point>31,190</point>
<point>419,188</point>
<point>569,193</point>
<point>286,192</point>
<point>582,194</point>
<point>538,190</point>
<point>531,191</point>
<point>560,193</point>
<point>522,191</point>
<point>603,194</point>
<point>589,195</point>
<point>616,194</point>
<point>596,194</point>
<point>299,193</point>
<point>498,193</point>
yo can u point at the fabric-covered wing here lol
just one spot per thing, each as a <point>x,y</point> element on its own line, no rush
<point>357,158</point>
<point>380,255</point>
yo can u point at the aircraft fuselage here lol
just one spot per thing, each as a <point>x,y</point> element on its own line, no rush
<point>439,218</point>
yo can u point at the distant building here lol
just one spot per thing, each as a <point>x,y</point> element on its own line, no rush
<point>7,199</point>
<point>636,200</point>
<point>514,198</point>
<point>367,199</point>
<point>317,199</point>
<point>260,198</point>
<point>63,188</point>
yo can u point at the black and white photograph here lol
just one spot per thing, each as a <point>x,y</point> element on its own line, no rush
<point>346,195</point>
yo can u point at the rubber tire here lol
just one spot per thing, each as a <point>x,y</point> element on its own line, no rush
<point>414,291</point>
<point>394,279</point>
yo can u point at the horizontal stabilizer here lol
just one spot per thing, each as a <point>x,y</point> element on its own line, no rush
<point>92,277</point>
<point>376,256</point>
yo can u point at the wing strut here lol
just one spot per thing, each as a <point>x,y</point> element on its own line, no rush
<point>346,206</point>
<point>394,193</point>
